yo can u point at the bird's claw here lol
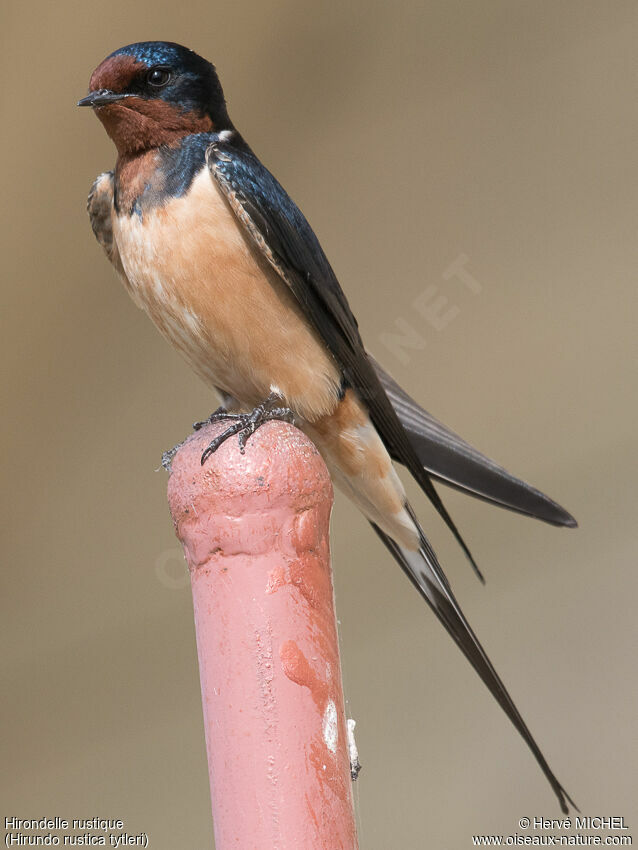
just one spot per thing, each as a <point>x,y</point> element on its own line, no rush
<point>216,416</point>
<point>245,424</point>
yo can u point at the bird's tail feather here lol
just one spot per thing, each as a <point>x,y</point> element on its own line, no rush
<point>451,460</point>
<point>424,571</point>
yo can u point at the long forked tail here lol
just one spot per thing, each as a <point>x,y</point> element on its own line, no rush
<point>424,571</point>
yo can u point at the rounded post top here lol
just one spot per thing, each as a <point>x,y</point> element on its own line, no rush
<point>280,467</point>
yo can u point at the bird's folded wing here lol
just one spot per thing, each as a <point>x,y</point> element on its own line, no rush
<point>451,460</point>
<point>280,231</point>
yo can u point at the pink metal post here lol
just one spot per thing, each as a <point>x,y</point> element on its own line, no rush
<point>255,532</point>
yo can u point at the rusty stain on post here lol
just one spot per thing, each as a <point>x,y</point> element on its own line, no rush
<point>255,532</point>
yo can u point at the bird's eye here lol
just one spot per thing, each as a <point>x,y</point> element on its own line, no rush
<point>158,77</point>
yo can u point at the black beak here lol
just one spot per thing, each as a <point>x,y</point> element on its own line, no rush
<point>101,97</point>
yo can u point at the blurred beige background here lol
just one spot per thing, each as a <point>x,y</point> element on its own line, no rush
<point>410,134</point>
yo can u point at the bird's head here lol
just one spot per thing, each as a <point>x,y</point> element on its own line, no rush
<point>154,93</point>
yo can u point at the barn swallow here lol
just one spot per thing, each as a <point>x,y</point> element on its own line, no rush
<point>208,243</point>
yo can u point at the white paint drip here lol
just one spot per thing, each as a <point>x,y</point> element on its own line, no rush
<point>330,728</point>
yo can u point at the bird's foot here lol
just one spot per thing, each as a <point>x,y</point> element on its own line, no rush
<point>167,456</point>
<point>217,416</point>
<point>244,424</point>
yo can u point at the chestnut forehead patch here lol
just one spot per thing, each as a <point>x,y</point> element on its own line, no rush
<point>116,73</point>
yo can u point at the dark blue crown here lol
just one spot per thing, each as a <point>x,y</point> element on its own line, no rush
<point>162,53</point>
